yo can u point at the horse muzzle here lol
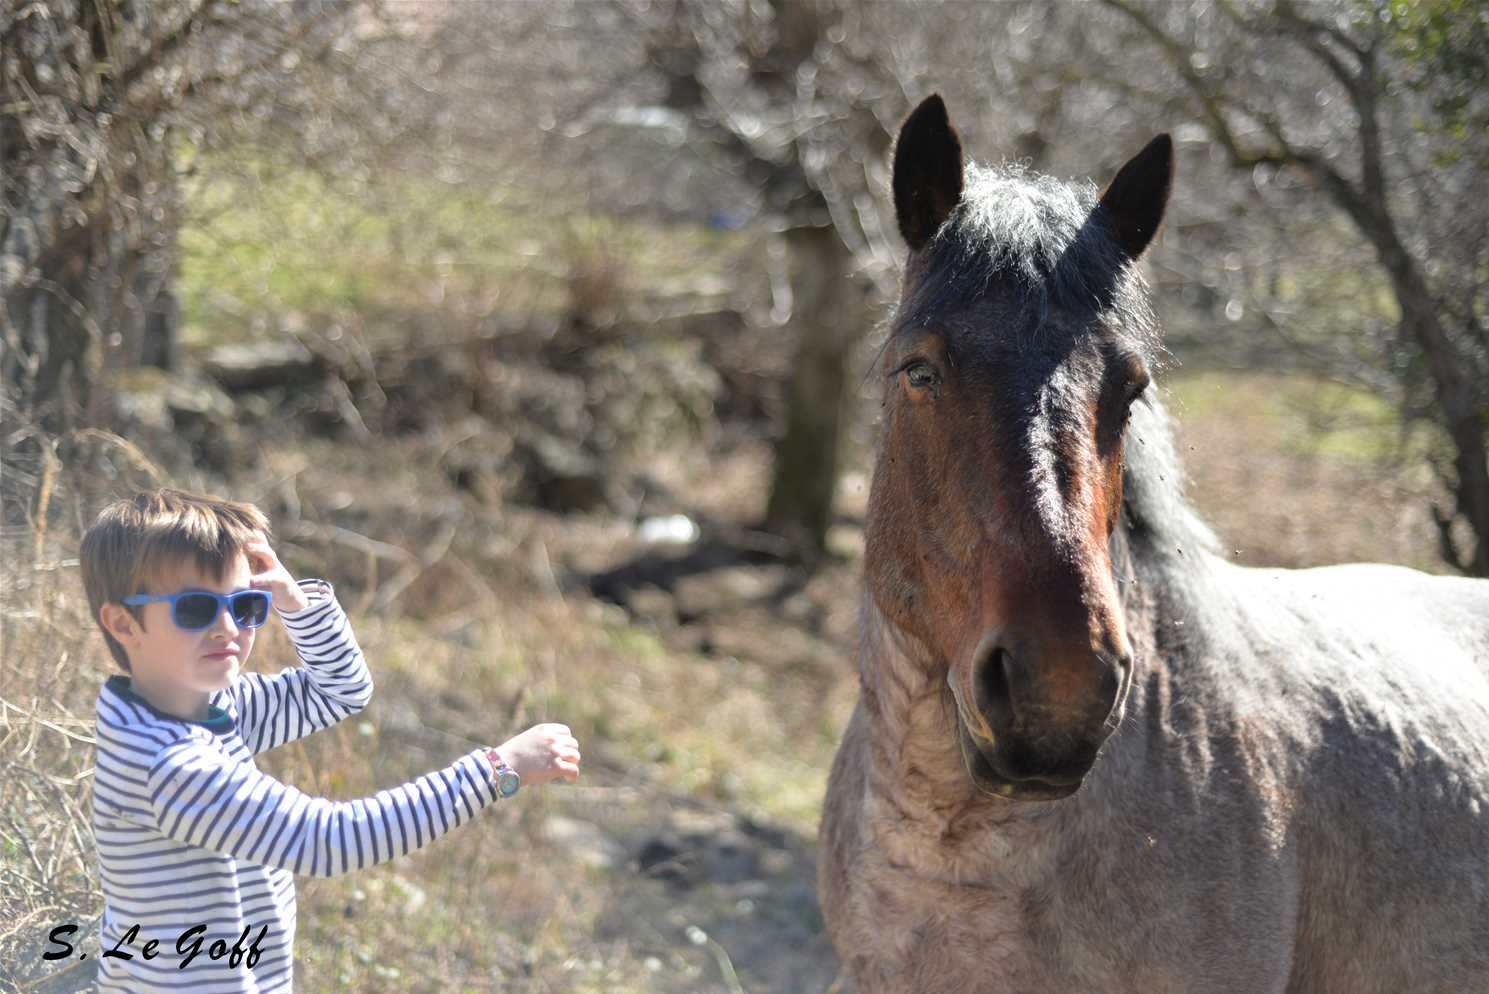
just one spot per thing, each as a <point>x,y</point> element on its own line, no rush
<point>1033,722</point>
<point>988,772</point>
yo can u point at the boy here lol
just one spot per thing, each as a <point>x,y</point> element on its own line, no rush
<point>196,847</point>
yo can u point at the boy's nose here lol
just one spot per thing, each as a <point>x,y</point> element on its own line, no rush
<point>224,624</point>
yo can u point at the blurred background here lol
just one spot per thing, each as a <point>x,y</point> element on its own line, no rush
<point>543,331</point>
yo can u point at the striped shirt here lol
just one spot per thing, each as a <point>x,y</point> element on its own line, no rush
<point>190,833</point>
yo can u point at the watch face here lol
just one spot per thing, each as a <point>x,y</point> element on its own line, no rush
<point>507,783</point>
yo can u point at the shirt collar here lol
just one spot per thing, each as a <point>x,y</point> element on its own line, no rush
<point>218,721</point>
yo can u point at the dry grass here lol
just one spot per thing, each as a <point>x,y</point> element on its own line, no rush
<point>475,647</point>
<point>46,752</point>
<point>1294,471</point>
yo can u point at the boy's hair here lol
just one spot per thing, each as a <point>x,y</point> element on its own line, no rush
<point>134,541</point>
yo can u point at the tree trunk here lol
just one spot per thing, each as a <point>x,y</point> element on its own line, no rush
<point>1461,415</point>
<point>825,321</point>
<point>89,212</point>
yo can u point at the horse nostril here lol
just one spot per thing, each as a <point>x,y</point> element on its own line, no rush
<point>994,693</point>
<point>1114,672</point>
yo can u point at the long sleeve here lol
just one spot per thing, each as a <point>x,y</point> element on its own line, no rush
<point>332,683</point>
<point>201,797</point>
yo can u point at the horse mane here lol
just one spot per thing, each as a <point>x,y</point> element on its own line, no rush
<point>1156,515</point>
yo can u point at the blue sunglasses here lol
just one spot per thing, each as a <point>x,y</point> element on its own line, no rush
<point>193,610</point>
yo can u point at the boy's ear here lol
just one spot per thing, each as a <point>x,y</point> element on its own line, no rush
<point>118,622</point>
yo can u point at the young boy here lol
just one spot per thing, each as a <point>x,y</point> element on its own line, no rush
<point>196,847</point>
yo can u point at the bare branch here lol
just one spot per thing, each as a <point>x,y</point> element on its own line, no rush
<point>160,49</point>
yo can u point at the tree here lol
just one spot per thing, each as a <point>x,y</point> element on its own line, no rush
<point>763,84</point>
<point>96,97</point>
<point>1403,165</point>
<point>804,96</point>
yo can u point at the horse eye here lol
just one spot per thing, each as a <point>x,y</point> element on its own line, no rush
<point>1137,388</point>
<point>920,375</point>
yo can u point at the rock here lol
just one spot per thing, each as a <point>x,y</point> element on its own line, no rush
<point>180,420</point>
<point>194,404</point>
<point>725,590</point>
<point>650,603</point>
<point>558,475</point>
<point>260,365</point>
<point>204,417</point>
<point>663,857</point>
<point>691,858</point>
<point>585,841</point>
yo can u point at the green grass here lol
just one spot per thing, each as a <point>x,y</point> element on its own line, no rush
<point>1292,470</point>
<point>1300,414</point>
<point>262,242</point>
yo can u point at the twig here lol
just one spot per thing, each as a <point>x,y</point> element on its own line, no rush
<point>698,937</point>
<point>26,847</point>
<point>37,719</point>
<point>545,568</point>
<point>137,458</point>
<point>347,537</point>
<point>43,498</point>
<point>433,553</point>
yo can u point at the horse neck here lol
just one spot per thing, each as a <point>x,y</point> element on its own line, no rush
<point>1170,594</point>
<point>914,762</point>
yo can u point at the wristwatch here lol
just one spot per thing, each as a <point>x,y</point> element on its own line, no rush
<point>507,780</point>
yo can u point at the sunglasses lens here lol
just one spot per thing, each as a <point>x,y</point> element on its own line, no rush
<point>196,611</point>
<point>251,609</point>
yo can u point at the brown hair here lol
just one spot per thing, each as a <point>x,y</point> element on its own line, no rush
<point>134,541</point>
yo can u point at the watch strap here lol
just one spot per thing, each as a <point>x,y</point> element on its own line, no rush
<point>502,772</point>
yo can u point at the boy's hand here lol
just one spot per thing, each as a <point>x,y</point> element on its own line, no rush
<point>543,753</point>
<point>269,574</point>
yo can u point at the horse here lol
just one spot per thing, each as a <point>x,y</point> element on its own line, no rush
<point>1090,754</point>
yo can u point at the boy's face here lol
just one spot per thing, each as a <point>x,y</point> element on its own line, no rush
<point>176,669</point>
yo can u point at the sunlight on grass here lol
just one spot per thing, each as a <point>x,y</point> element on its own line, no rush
<point>264,242</point>
<point>1303,414</point>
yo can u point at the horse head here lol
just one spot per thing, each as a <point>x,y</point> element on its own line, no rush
<point>1021,341</point>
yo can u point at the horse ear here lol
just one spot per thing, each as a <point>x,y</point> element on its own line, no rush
<point>927,172</point>
<point>1136,197</point>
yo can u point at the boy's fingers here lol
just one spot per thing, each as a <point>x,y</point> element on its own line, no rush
<point>259,550</point>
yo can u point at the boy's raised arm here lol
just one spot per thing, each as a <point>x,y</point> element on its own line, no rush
<point>333,681</point>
